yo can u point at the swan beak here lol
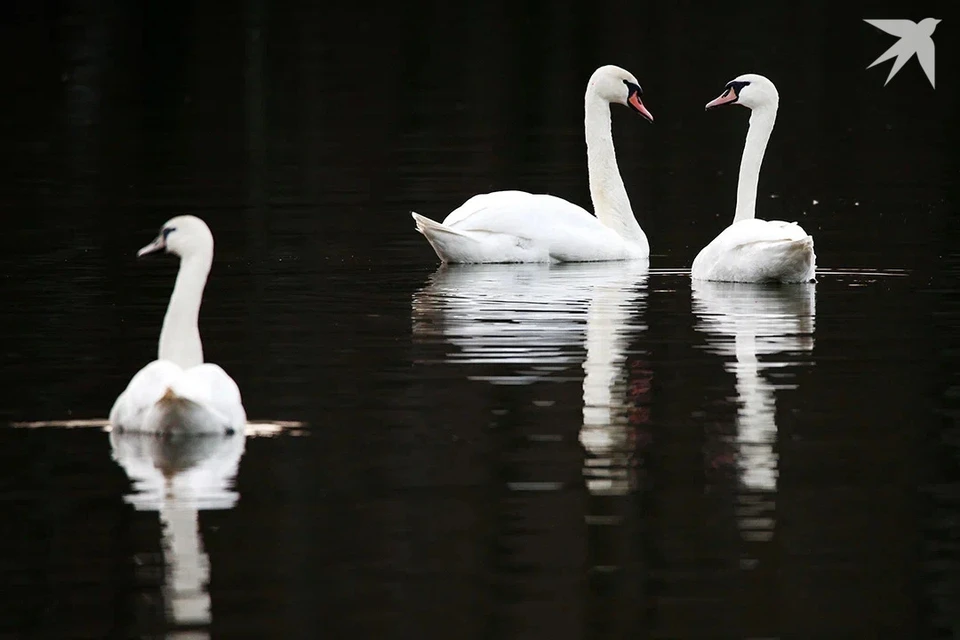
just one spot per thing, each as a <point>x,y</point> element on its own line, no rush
<point>637,105</point>
<point>728,96</point>
<point>153,247</point>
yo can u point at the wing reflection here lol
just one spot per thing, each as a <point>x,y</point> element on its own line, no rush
<point>527,323</point>
<point>178,476</point>
<point>758,329</point>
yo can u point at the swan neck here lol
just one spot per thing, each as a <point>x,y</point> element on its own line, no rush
<point>603,397</point>
<point>758,134</point>
<point>610,201</point>
<point>756,416</point>
<point>180,336</point>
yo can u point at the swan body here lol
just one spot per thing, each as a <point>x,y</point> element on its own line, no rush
<point>517,226</point>
<point>509,226</point>
<point>750,249</point>
<point>757,251</point>
<point>178,392</point>
<point>165,397</point>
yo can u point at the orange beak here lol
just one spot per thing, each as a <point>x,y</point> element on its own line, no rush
<point>726,97</point>
<point>637,105</point>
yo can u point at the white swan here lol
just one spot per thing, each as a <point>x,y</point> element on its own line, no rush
<point>752,250</point>
<point>178,391</point>
<point>516,226</point>
<point>178,477</point>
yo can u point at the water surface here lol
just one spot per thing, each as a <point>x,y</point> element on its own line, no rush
<point>527,451</point>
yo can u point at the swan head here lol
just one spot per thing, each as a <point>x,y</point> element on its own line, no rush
<point>749,90</point>
<point>616,85</point>
<point>182,236</point>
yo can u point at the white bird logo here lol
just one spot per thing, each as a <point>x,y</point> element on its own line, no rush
<point>914,39</point>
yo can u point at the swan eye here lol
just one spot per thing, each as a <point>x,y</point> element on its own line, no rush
<point>633,87</point>
<point>737,86</point>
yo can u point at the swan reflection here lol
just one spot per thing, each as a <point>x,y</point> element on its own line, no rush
<point>178,476</point>
<point>758,329</point>
<point>529,322</point>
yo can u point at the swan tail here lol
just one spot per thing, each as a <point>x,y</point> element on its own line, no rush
<point>175,403</point>
<point>800,249</point>
<point>426,226</point>
<point>169,396</point>
<point>798,260</point>
<point>175,412</point>
<point>451,245</point>
<point>478,246</point>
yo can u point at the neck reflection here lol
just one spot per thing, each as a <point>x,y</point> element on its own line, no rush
<point>757,329</point>
<point>178,476</point>
<point>515,326</point>
<point>609,411</point>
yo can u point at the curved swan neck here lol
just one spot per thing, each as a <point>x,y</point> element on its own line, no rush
<point>758,134</point>
<point>610,201</point>
<point>180,336</point>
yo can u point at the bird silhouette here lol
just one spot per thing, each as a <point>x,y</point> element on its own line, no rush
<point>915,38</point>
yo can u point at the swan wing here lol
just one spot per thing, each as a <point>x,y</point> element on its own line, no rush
<point>517,212</point>
<point>564,230</point>
<point>145,389</point>
<point>209,385</point>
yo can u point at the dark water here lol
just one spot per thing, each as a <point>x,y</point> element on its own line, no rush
<point>489,452</point>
